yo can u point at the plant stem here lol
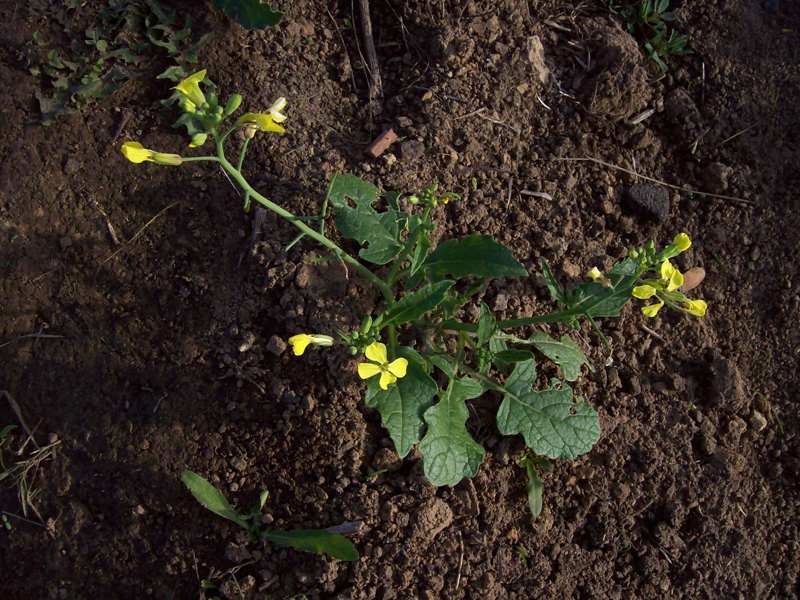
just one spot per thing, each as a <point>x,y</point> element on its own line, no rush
<point>199,158</point>
<point>294,220</point>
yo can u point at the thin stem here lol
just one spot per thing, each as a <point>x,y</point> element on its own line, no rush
<point>199,158</point>
<point>315,235</point>
<point>392,340</point>
<point>407,248</point>
<point>242,154</point>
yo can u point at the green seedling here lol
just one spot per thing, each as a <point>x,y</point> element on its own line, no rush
<point>421,361</point>
<point>316,541</point>
<point>252,14</point>
<point>23,474</point>
<point>648,21</point>
<point>119,47</point>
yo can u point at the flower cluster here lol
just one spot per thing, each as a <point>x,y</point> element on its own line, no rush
<point>202,117</point>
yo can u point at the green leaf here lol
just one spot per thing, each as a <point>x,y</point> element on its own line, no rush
<point>316,541</point>
<point>522,378</point>
<point>487,325</point>
<point>555,289</point>
<point>550,422</point>
<point>445,363</point>
<point>474,255</point>
<point>414,305</point>
<point>401,406</point>
<point>249,13</point>
<point>449,452</point>
<point>506,357</point>
<point>379,232</point>
<point>535,489</point>
<point>211,498</point>
<point>565,353</point>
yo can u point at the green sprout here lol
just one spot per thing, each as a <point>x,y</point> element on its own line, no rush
<point>422,362</point>
<point>317,541</point>
<point>648,22</point>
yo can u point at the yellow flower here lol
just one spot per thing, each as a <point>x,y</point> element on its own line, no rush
<point>594,274</point>
<point>643,292</point>
<point>696,307</point>
<point>651,310</point>
<point>136,153</point>
<point>300,342</point>
<point>682,242</point>
<point>189,88</point>
<point>261,121</point>
<point>198,140</point>
<point>671,276</point>
<point>390,371</point>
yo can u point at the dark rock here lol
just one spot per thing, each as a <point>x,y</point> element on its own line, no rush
<point>650,200</point>
<point>276,345</point>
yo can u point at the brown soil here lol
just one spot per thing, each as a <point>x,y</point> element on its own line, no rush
<point>163,363</point>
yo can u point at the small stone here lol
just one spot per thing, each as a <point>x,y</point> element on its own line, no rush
<point>427,96</point>
<point>692,278</point>
<point>536,58</point>
<point>404,122</point>
<point>716,176</point>
<point>758,422</point>
<point>247,343</point>
<point>52,438</point>
<point>73,165</point>
<point>381,143</point>
<point>651,200</point>
<point>239,464</point>
<point>736,427</point>
<point>139,510</point>
<point>501,302</point>
<point>304,275</point>
<point>276,345</point>
<point>412,150</point>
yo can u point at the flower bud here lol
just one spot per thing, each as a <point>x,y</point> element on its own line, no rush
<point>163,158</point>
<point>232,105</point>
<point>198,140</point>
<point>682,242</point>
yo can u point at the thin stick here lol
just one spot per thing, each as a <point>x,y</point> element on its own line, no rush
<point>138,233</point>
<point>460,559</point>
<point>376,87</point>
<point>471,114</point>
<point>658,181</point>
<point>18,411</point>
<point>735,135</point>
<point>38,336</point>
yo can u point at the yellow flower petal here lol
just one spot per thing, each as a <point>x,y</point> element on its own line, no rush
<point>697,308</point>
<point>299,343</point>
<point>190,88</point>
<point>398,367</point>
<point>643,292</point>
<point>651,310</point>
<point>682,242</point>
<point>594,274</point>
<point>135,152</point>
<point>387,379</point>
<point>264,121</point>
<point>367,370</point>
<point>671,276</point>
<point>376,352</point>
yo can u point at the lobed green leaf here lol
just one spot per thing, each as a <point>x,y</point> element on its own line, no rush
<point>448,450</point>
<point>402,406</point>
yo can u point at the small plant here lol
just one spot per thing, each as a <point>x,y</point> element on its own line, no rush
<point>252,14</point>
<point>317,541</point>
<point>648,22</point>
<point>422,362</point>
<point>103,57</point>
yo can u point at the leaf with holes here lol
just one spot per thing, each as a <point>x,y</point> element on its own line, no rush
<point>565,353</point>
<point>378,233</point>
